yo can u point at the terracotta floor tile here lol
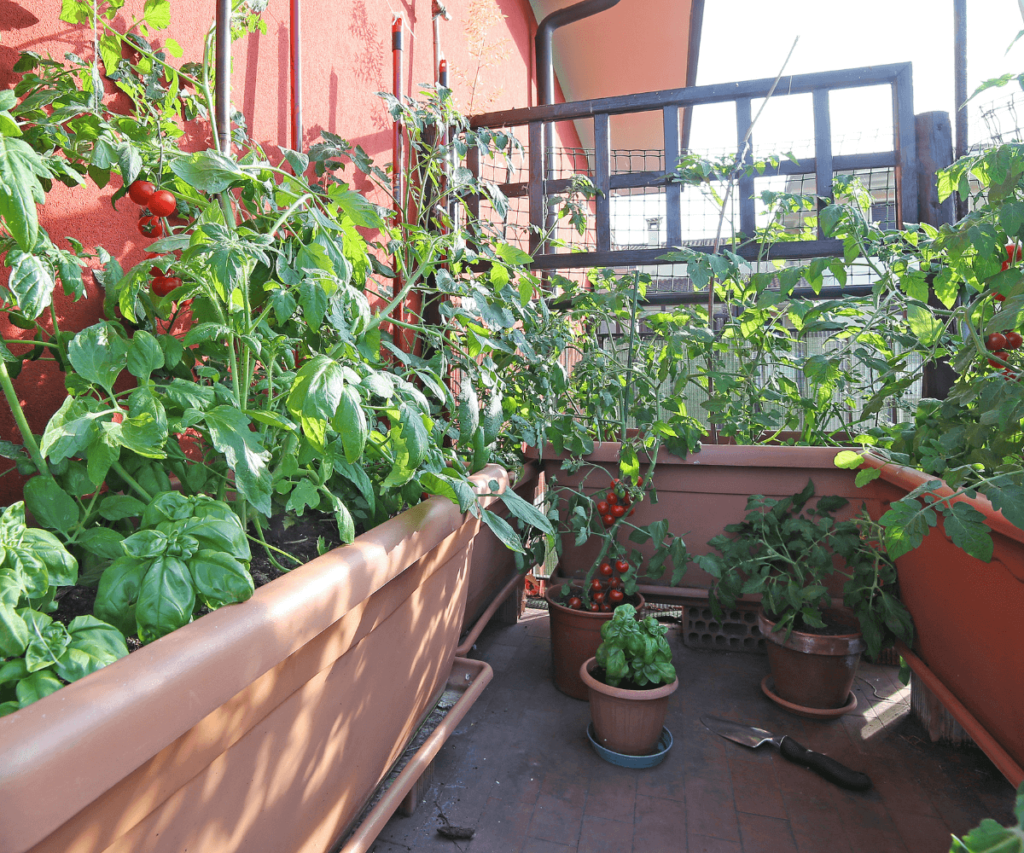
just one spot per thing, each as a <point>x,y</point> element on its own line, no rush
<point>659,824</point>
<point>711,810</point>
<point>521,771</point>
<point>601,835</point>
<point>536,845</point>
<point>612,795</point>
<point>755,789</point>
<point>704,844</point>
<point>556,819</point>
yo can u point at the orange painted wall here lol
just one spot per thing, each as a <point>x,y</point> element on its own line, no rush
<point>346,60</point>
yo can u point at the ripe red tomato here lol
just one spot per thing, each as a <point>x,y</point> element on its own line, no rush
<point>598,597</point>
<point>162,203</point>
<point>597,584</point>
<point>594,607</point>
<point>150,226</point>
<point>615,583</point>
<point>1001,354</point>
<point>621,566</point>
<point>605,569</point>
<point>161,285</point>
<point>605,607</point>
<point>1014,252</point>
<point>608,520</point>
<point>614,483</point>
<point>1013,340</point>
<point>995,341</point>
<point>575,602</point>
<point>602,507</point>
<point>616,596</point>
<point>618,511</point>
<point>998,297</point>
<point>612,498</point>
<point>141,191</point>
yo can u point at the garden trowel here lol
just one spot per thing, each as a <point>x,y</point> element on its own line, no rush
<point>824,766</point>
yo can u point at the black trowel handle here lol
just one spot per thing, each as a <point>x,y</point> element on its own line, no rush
<point>824,766</point>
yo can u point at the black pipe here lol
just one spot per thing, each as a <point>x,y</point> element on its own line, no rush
<point>223,72</point>
<point>960,88</point>
<point>545,30</point>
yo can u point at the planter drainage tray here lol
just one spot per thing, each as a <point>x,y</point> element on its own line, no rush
<point>467,681</point>
<point>638,762</point>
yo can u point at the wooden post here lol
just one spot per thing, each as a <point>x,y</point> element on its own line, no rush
<point>934,153</point>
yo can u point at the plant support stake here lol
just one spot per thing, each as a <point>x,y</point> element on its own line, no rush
<point>295,51</point>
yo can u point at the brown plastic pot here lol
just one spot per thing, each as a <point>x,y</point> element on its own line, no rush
<point>575,636</point>
<point>263,727</point>
<point>628,722</point>
<point>814,670</point>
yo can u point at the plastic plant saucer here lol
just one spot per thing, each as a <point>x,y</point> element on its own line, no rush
<point>768,685</point>
<point>635,761</point>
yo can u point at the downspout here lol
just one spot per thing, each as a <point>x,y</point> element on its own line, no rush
<point>295,51</point>
<point>546,72</point>
<point>222,64</point>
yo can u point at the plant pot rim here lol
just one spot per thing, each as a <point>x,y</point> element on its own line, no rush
<point>633,695</point>
<point>552,602</point>
<point>726,455</point>
<point>816,644</point>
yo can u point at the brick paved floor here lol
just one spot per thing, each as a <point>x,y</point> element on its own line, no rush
<point>521,771</point>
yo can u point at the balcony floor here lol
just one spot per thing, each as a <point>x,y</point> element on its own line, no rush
<point>520,770</point>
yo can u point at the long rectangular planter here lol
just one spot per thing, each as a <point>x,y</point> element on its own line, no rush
<point>968,616</point>
<point>704,492</point>
<point>264,726</point>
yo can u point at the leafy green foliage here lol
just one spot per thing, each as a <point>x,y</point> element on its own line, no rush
<point>190,552</point>
<point>785,550</point>
<point>37,654</point>
<point>634,653</point>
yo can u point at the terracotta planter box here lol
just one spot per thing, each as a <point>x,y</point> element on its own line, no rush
<point>265,726</point>
<point>967,625</point>
<point>701,494</point>
<point>493,573</point>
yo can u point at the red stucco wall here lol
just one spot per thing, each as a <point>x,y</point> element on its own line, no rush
<point>346,60</point>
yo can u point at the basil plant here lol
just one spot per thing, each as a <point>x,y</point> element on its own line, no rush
<point>189,553</point>
<point>38,655</point>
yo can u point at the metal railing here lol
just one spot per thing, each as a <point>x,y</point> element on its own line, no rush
<point>672,103</point>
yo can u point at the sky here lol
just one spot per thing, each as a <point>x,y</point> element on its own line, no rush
<point>749,39</point>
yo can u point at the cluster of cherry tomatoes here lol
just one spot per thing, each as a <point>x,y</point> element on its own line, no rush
<point>617,502</point>
<point>1000,344</point>
<point>606,591</point>
<point>161,203</point>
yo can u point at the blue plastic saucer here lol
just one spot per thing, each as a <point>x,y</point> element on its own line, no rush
<point>637,761</point>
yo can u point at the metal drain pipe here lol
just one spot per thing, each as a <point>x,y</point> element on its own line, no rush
<point>222,66</point>
<point>546,71</point>
<point>295,49</point>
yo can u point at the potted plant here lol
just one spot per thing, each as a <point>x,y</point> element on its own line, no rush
<point>629,682</point>
<point>788,552</point>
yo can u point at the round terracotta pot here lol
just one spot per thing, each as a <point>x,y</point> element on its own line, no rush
<point>628,722</point>
<point>814,670</point>
<point>575,636</point>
